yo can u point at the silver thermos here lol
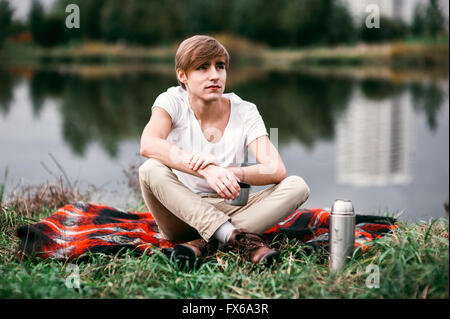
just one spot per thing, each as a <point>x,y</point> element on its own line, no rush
<point>341,234</point>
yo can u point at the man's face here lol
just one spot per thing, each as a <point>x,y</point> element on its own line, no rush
<point>207,82</point>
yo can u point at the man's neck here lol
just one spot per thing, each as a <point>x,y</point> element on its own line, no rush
<point>206,111</point>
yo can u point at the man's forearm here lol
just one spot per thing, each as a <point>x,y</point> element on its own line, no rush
<point>258,174</point>
<point>174,157</point>
<point>168,154</point>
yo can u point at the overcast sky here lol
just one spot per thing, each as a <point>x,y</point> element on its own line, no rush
<point>21,7</point>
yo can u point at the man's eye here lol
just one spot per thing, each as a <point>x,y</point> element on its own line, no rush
<point>202,67</point>
<point>221,66</point>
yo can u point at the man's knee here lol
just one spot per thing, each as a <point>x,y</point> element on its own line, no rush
<point>152,170</point>
<point>300,190</point>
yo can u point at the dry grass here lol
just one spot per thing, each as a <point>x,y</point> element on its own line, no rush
<point>132,176</point>
<point>30,200</point>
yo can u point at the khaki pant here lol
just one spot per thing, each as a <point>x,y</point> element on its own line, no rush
<point>184,215</point>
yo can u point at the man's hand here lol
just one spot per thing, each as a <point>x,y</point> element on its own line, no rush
<point>198,161</point>
<point>223,181</point>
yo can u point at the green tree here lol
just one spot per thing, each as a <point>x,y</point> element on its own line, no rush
<point>340,27</point>
<point>418,26</point>
<point>428,20</point>
<point>18,26</point>
<point>54,31</point>
<point>5,20</point>
<point>174,20</point>
<point>306,22</point>
<point>142,21</point>
<point>91,14</point>
<point>390,29</point>
<point>434,19</point>
<point>46,29</point>
<point>136,21</point>
<point>36,21</point>
<point>111,21</point>
<point>275,22</point>
<point>208,16</point>
<point>90,17</point>
<point>258,20</point>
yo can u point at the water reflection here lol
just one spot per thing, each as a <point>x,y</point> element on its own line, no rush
<point>302,107</point>
<point>371,121</point>
<point>6,89</point>
<point>110,109</point>
<point>106,110</point>
<point>375,140</point>
<point>428,98</point>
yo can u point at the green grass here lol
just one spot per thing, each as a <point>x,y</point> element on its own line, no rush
<point>413,263</point>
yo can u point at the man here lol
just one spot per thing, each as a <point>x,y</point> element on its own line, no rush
<point>195,141</point>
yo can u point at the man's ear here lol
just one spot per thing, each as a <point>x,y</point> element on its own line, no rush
<point>182,76</point>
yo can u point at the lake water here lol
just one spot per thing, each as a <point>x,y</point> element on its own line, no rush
<point>382,143</point>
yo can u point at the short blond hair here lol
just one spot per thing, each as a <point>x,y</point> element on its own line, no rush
<point>196,50</point>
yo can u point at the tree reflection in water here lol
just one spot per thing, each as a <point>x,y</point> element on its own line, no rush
<point>110,109</point>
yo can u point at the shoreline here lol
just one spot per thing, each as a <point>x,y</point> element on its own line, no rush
<point>397,61</point>
<point>31,200</point>
<point>409,53</point>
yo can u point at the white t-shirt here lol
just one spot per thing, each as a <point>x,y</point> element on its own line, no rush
<point>245,125</point>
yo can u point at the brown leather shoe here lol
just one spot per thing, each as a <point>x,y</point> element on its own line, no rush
<point>194,249</point>
<point>252,247</point>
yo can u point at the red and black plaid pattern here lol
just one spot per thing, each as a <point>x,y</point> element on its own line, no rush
<point>78,228</point>
<point>311,226</point>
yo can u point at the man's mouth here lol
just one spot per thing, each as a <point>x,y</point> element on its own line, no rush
<point>213,87</point>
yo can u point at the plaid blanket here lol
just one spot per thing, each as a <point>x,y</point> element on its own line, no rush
<point>82,227</point>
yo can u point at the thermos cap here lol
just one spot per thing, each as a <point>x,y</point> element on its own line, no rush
<point>342,207</point>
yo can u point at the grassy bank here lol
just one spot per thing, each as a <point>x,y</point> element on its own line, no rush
<point>413,262</point>
<point>413,54</point>
<point>409,53</point>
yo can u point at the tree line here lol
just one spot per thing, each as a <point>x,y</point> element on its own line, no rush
<point>278,23</point>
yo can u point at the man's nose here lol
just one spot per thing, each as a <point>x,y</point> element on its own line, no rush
<point>213,74</point>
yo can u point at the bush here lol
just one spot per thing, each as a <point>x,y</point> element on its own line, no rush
<point>5,20</point>
<point>389,30</point>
